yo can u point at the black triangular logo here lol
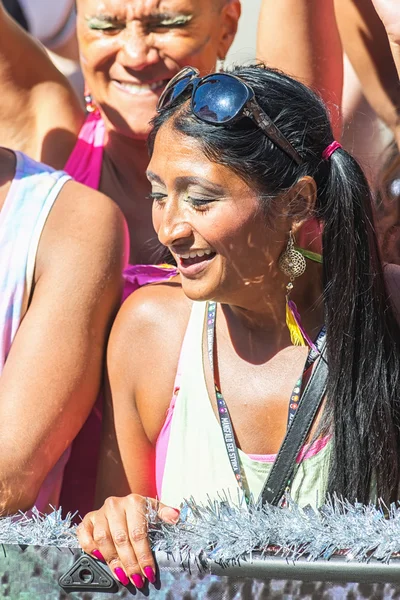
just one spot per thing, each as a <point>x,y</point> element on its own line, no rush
<point>86,574</point>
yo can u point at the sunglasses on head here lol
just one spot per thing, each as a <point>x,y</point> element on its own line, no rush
<point>222,98</point>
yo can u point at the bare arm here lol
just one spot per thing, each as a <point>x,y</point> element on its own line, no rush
<point>367,46</point>
<point>39,112</point>
<point>53,372</point>
<point>301,38</point>
<point>389,13</point>
<point>142,360</point>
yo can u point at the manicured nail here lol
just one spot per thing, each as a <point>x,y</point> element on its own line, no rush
<point>165,514</point>
<point>97,554</point>
<point>138,581</point>
<point>120,573</point>
<point>148,571</point>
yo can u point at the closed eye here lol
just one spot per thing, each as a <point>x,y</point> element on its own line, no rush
<point>105,23</point>
<point>168,22</point>
<point>157,196</point>
<point>199,201</point>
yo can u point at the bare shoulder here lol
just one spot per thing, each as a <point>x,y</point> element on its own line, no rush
<point>156,315</point>
<point>86,226</point>
<point>392,277</point>
<point>144,349</point>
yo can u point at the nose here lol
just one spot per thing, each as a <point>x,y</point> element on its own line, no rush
<point>172,227</point>
<point>137,50</point>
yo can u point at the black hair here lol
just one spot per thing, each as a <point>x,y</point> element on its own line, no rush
<point>362,409</point>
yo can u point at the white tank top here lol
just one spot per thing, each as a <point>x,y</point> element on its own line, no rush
<point>197,463</point>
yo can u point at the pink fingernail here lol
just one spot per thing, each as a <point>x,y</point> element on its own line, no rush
<point>97,554</point>
<point>178,513</point>
<point>138,581</point>
<point>120,573</point>
<point>148,571</point>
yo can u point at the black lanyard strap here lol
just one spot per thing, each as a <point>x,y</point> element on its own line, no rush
<point>296,435</point>
<point>292,443</point>
<point>223,412</point>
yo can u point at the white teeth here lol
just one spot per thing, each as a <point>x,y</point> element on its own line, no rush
<point>193,254</point>
<point>139,88</point>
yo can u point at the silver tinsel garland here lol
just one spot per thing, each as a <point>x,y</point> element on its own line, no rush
<point>36,529</point>
<point>225,531</point>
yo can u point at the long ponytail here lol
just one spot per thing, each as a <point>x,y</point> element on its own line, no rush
<point>363,340</point>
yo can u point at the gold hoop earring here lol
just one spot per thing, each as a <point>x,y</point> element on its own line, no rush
<point>293,264</point>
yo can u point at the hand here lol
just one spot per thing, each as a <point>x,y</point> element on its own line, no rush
<point>117,534</point>
<point>389,12</point>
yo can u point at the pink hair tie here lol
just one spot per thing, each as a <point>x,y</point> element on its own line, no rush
<point>329,150</point>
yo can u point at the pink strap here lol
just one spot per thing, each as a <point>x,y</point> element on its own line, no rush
<point>329,150</point>
<point>85,161</point>
<point>163,437</point>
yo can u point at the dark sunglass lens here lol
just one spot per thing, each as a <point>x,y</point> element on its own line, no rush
<point>173,90</point>
<point>219,98</point>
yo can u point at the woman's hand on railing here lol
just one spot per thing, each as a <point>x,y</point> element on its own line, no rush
<point>117,534</point>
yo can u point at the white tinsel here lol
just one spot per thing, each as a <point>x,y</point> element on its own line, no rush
<point>224,531</point>
<point>36,529</point>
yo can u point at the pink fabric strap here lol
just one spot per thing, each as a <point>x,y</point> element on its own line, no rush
<point>164,435</point>
<point>85,161</point>
<point>329,150</point>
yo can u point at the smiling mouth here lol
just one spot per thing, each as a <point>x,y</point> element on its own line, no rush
<point>198,257</point>
<point>137,89</point>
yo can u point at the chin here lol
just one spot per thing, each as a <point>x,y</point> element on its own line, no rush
<point>137,128</point>
<point>196,292</point>
<point>134,131</point>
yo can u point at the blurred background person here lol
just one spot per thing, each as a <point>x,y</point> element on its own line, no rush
<point>54,25</point>
<point>62,250</point>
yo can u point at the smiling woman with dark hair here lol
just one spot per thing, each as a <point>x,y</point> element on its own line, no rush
<point>251,190</point>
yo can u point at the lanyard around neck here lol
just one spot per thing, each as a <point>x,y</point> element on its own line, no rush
<point>223,412</point>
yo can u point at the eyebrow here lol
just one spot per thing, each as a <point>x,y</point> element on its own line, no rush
<point>206,183</point>
<point>169,16</point>
<point>184,181</point>
<point>103,18</point>
<point>153,16</point>
<point>154,177</point>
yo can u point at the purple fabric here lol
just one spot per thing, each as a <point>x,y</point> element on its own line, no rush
<point>138,275</point>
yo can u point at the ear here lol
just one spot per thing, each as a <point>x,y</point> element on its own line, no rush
<point>229,19</point>
<point>302,198</point>
<point>305,227</point>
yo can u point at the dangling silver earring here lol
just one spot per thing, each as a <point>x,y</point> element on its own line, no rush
<point>89,104</point>
<point>221,65</point>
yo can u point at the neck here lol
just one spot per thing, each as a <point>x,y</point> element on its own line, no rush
<point>263,311</point>
<point>129,156</point>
